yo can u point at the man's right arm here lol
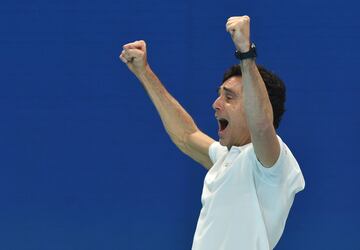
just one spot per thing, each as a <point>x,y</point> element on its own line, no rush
<point>177,122</point>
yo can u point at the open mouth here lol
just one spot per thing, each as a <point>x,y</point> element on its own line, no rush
<point>223,123</point>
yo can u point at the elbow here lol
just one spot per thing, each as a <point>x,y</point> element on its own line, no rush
<point>180,140</point>
<point>262,122</point>
<point>262,127</point>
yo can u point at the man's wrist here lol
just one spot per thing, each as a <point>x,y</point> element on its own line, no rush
<point>244,47</point>
<point>142,71</point>
<point>249,54</point>
<point>143,74</point>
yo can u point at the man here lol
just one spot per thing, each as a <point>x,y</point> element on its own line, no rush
<point>253,177</point>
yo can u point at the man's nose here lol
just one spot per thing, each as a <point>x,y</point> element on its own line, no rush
<point>217,104</point>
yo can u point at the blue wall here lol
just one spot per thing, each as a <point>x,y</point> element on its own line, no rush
<point>84,160</point>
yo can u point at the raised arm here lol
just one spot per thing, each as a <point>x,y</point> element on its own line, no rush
<point>177,122</point>
<point>259,113</point>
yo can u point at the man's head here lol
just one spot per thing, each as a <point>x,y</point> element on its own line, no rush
<point>233,129</point>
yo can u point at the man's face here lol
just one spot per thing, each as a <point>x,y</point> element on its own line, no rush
<point>230,113</point>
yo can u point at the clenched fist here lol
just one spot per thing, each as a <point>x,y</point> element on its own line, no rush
<point>134,55</point>
<point>239,28</point>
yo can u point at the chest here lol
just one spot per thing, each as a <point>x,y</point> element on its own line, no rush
<point>232,175</point>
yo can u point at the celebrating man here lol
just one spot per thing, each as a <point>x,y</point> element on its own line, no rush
<point>253,176</point>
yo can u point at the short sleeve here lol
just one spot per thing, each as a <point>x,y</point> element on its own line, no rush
<point>286,170</point>
<point>216,151</point>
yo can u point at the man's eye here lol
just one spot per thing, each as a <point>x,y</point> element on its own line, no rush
<point>228,97</point>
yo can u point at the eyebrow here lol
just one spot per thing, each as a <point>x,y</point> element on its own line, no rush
<point>226,89</point>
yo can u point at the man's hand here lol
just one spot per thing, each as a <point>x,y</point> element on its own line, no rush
<point>239,28</point>
<point>134,55</point>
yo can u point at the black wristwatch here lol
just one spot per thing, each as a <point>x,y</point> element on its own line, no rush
<point>250,54</point>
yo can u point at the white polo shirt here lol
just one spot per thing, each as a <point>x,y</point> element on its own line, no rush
<point>245,205</point>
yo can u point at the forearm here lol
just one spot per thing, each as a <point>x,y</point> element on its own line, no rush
<point>258,108</point>
<point>177,122</point>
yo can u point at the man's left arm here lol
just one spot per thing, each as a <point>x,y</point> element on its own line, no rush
<point>259,113</point>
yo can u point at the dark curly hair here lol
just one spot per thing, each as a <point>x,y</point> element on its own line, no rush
<point>275,88</point>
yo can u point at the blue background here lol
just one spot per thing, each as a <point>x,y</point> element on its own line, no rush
<point>84,160</point>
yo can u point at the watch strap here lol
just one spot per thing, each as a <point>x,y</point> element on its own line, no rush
<point>245,55</point>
